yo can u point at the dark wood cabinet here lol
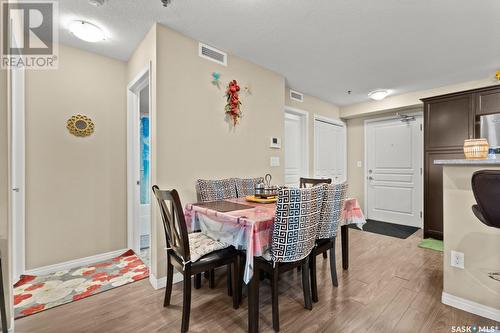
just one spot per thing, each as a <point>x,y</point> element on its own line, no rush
<point>448,121</point>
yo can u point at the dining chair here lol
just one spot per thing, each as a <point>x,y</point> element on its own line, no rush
<point>190,253</point>
<point>246,186</point>
<point>215,189</point>
<point>212,190</point>
<point>310,182</point>
<point>293,238</point>
<point>332,210</point>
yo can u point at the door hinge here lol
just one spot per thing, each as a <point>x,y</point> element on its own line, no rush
<point>421,127</point>
<point>421,171</point>
<point>420,214</point>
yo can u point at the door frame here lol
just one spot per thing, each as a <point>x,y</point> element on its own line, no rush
<point>336,122</point>
<point>17,163</point>
<point>410,112</point>
<point>304,115</point>
<point>142,79</point>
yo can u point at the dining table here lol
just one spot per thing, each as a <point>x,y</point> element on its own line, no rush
<point>248,226</point>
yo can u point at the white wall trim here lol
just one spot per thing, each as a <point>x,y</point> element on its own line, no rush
<point>305,116</point>
<point>140,81</point>
<point>470,306</point>
<point>75,263</point>
<point>332,121</point>
<point>162,282</point>
<point>417,112</point>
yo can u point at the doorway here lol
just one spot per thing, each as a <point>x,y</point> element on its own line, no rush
<point>296,146</point>
<point>393,169</point>
<point>330,149</point>
<point>139,166</point>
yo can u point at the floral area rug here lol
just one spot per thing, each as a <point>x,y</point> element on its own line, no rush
<point>33,294</point>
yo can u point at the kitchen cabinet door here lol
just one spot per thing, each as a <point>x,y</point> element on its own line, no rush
<point>433,188</point>
<point>448,122</point>
<point>488,102</point>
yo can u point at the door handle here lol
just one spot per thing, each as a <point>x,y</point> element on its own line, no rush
<point>15,189</point>
<point>370,178</point>
<point>138,182</point>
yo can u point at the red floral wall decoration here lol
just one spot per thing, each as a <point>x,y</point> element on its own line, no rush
<point>233,106</point>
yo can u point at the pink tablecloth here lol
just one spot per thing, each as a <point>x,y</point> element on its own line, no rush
<point>250,229</point>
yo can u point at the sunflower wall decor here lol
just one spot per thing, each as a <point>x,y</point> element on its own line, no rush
<point>80,125</point>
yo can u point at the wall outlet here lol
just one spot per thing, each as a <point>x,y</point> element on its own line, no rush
<point>275,161</point>
<point>359,164</point>
<point>457,259</point>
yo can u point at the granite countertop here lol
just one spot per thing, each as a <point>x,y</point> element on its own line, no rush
<point>467,162</point>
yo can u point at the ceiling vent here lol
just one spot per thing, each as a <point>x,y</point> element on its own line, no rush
<point>296,96</point>
<point>212,54</point>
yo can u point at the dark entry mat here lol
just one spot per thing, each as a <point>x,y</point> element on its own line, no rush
<point>388,229</point>
<point>222,206</point>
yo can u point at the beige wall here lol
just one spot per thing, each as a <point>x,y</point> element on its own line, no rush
<point>314,106</point>
<point>463,232</point>
<point>75,187</point>
<point>356,152</point>
<point>193,140</point>
<point>4,185</point>
<point>409,99</point>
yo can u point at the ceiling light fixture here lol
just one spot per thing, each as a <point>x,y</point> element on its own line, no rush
<point>379,94</point>
<point>97,3</point>
<point>86,31</point>
<point>165,3</point>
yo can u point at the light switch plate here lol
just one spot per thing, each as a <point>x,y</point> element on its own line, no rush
<point>275,161</point>
<point>457,259</point>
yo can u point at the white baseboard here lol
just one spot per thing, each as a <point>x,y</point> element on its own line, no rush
<point>162,282</point>
<point>470,306</point>
<point>75,263</point>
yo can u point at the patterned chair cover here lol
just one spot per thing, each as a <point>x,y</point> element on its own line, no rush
<point>211,190</point>
<point>332,210</point>
<point>296,223</point>
<point>246,186</point>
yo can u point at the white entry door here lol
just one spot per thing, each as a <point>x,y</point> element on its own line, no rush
<point>295,148</point>
<point>329,150</point>
<point>394,171</point>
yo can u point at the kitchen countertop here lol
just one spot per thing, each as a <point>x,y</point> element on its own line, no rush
<point>467,162</point>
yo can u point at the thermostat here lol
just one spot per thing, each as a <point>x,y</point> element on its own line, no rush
<point>275,143</point>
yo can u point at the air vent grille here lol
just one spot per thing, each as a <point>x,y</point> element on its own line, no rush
<point>211,53</point>
<point>296,96</point>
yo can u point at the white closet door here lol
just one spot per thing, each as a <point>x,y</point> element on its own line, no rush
<point>329,150</point>
<point>295,150</point>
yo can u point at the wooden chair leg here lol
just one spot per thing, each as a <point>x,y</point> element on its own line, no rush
<point>229,280</point>
<point>170,277</point>
<point>333,266</point>
<point>275,303</point>
<point>253,301</point>
<point>241,272</point>
<point>325,255</point>
<point>197,281</point>
<point>305,285</point>
<point>234,277</point>
<point>211,279</point>
<point>186,304</point>
<point>314,281</point>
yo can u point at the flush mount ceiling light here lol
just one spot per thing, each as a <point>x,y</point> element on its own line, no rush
<point>86,31</point>
<point>165,3</point>
<point>379,94</point>
<point>97,3</point>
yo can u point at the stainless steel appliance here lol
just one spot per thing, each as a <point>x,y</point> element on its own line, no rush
<point>490,130</point>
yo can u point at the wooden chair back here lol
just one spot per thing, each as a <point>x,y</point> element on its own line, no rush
<point>174,223</point>
<point>311,182</point>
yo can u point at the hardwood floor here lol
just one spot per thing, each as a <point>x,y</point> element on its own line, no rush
<point>391,286</point>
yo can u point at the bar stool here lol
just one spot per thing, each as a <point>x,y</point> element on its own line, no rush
<point>486,189</point>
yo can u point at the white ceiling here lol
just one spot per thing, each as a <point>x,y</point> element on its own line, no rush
<point>322,47</point>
